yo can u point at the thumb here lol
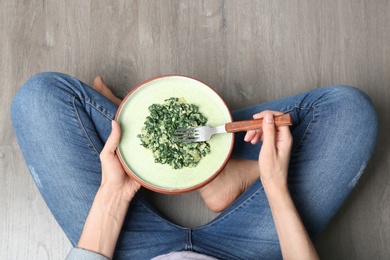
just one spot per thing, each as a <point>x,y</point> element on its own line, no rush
<point>269,131</point>
<point>113,139</point>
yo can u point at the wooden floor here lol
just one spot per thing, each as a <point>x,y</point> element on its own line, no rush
<point>250,51</point>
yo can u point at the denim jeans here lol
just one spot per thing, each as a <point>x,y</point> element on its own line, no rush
<point>62,124</point>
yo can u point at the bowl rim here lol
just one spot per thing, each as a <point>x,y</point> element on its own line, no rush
<point>160,189</point>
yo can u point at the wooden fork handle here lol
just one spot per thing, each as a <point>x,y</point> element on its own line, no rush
<point>241,126</point>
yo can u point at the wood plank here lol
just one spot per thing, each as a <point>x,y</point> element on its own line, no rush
<point>28,230</point>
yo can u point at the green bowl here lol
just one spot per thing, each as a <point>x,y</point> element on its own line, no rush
<point>138,161</point>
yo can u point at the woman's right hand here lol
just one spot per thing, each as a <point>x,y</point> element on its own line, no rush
<point>275,152</point>
<point>274,159</point>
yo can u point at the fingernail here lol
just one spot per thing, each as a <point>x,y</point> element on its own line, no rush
<point>269,119</point>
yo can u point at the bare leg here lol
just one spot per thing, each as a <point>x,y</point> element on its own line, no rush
<point>234,179</point>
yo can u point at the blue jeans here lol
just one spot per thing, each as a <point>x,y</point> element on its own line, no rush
<point>62,124</point>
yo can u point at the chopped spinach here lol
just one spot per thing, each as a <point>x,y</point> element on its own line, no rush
<point>157,133</point>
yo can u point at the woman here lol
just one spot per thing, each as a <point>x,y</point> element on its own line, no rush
<point>275,196</point>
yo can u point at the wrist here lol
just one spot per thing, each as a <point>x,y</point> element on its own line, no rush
<point>124,190</point>
<point>104,222</point>
<point>275,189</point>
<point>111,201</point>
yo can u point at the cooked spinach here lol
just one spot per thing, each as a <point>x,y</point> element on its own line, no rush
<point>157,133</point>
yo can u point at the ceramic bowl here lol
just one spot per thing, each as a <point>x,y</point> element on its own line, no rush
<point>138,161</point>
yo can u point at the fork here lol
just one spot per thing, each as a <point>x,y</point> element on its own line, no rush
<point>204,133</point>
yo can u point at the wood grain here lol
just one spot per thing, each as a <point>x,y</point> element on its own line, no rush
<point>28,230</point>
<point>250,51</point>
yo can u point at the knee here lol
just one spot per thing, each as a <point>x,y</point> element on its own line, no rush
<point>32,93</point>
<point>39,83</point>
<point>29,90</point>
<point>354,99</point>
<point>355,105</point>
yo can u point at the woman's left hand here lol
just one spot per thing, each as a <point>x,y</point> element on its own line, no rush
<point>113,175</point>
<point>111,203</point>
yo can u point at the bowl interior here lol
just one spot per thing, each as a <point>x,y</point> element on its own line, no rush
<point>139,161</point>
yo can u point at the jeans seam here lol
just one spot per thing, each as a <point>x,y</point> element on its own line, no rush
<point>109,117</point>
<point>189,240</point>
<point>311,106</point>
<point>82,126</point>
<point>308,126</point>
<point>87,101</point>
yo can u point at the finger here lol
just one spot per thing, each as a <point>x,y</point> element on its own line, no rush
<point>262,113</point>
<point>254,135</point>
<point>257,136</point>
<point>249,135</point>
<point>284,134</point>
<point>269,131</point>
<point>113,139</point>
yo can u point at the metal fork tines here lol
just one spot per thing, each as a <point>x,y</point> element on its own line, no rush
<point>199,134</point>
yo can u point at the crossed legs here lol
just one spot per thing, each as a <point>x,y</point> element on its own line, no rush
<point>62,124</point>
